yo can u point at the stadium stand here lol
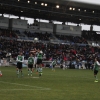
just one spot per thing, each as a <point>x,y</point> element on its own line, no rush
<point>61,52</point>
<point>41,36</point>
<point>7,33</point>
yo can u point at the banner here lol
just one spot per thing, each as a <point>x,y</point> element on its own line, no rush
<point>68,30</point>
<point>4,22</point>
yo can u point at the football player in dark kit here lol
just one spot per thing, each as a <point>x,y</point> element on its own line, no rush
<point>30,64</point>
<point>20,60</point>
<point>39,62</point>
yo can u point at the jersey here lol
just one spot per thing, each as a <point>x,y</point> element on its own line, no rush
<point>39,56</point>
<point>30,60</point>
<point>54,62</point>
<point>96,66</point>
<point>20,58</point>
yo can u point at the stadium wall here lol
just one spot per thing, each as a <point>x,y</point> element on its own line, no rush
<point>68,30</point>
<point>4,22</point>
<point>18,23</point>
<point>46,27</point>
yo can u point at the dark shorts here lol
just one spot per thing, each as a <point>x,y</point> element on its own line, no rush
<point>54,66</point>
<point>19,65</point>
<point>39,61</point>
<point>30,65</point>
<point>95,72</point>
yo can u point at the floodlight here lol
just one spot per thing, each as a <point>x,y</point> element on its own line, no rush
<point>73,8</point>
<point>57,6</point>
<point>70,8</point>
<point>78,9</point>
<point>42,4</point>
<point>35,2</point>
<point>28,1</point>
<point>46,4</point>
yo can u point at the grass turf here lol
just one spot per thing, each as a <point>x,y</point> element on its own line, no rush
<point>69,84</point>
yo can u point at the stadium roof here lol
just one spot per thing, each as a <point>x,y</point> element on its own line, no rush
<point>74,3</point>
<point>60,10</point>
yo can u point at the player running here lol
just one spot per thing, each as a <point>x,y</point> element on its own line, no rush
<point>30,65</point>
<point>96,69</point>
<point>20,60</point>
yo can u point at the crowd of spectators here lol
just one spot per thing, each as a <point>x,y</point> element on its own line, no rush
<point>73,39</point>
<point>61,52</point>
<point>41,36</point>
<point>47,36</point>
<point>7,33</point>
<point>91,35</point>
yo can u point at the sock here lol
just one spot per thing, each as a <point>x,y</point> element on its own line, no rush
<point>40,71</point>
<point>21,73</point>
<point>17,72</point>
<point>28,72</point>
<point>31,72</point>
<point>95,77</point>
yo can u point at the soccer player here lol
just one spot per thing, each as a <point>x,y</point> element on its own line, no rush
<point>39,62</point>
<point>35,60</point>
<point>96,69</point>
<point>30,64</point>
<point>20,60</point>
<point>53,64</point>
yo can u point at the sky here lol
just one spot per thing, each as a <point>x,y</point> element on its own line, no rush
<point>84,27</point>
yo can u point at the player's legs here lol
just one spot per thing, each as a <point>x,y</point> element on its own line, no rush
<point>40,67</point>
<point>37,66</point>
<point>30,69</point>
<point>40,70</point>
<point>53,67</point>
<point>95,75</point>
<point>17,69</point>
<point>20,69</point>
<point>39,62</point>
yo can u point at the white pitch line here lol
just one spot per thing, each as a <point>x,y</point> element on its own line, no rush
<point>26,85</point>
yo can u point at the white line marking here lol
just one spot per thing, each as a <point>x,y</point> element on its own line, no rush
<point>26,85</point>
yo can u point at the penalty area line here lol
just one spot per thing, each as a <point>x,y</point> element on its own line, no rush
<point>25,85</point>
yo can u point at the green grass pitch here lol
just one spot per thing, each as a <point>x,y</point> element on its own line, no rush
<point>69,84</point>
